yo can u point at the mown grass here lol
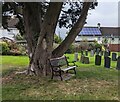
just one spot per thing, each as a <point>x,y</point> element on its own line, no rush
<point>91,82</point>
<point>14,61</point>
<point>10,63</point>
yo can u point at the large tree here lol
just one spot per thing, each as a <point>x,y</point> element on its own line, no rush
<point>38,21</point>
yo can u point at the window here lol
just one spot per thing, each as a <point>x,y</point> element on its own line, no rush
<point>112,39</point>
<point>98,38</point>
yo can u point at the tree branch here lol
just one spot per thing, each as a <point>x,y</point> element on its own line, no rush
<point>59,51</point>
<point>47,31</point>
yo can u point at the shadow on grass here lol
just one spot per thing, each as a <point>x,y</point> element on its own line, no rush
<point>88,84</point>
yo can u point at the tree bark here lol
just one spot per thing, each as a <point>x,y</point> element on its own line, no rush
<point>32,24</point>
<point>44,46</point>
<point>59,51</point>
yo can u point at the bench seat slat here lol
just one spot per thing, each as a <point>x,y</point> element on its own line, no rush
<point>65,69</point>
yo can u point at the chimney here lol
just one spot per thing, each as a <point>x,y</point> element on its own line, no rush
<point>98,25</point>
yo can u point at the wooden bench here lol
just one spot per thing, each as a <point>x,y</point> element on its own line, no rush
<point>60,64</point>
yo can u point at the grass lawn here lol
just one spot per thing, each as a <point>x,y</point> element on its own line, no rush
<point>91,82</point>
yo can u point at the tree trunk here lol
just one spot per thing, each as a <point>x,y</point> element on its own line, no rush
<point>44,46</point>
<point>32,24</point>
<point>59,51</point>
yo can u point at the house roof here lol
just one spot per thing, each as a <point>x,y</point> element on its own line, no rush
<point>110,31</point>
<point>95,31</point>
<point>6,38</point>
<point>90,31</point>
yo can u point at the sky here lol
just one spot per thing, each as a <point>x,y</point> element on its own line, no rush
<point>106,13</point>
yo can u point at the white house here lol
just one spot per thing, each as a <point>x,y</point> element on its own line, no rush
<point>91,34</point>
<point>112,34</point>
<point>12,29</point>
<point>8,34</point>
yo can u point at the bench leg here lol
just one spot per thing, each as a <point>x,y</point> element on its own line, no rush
<point>52,75</point>
<point>60,75</point>
<point>74,70</point>
<point>67,71</point>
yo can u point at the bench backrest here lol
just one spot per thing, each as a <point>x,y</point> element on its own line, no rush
<point>60,61</point>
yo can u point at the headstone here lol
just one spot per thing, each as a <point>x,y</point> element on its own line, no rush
<point>82,59</point>
<point>86,60</point>
<point>106,54</point>
<point>114,57</point>
<point>86,53</point>
<point>82,52</point>
<point>92,53</point>
<point>118,63</point>
<point>94,50</point>
<point>97,51</point>
<point>109,53</point>
<point>101,53</point>
<point>107,62</point>
<point>97,60</point>
<point>76,57</point>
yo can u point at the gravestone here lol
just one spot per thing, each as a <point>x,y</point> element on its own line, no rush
<point>106,54</point>
<point>82,59</point>
<point>114,57</point>
<point>76,57</point>
<point>97,51</point>
<point>101,53</point>
<point>86,60</point>
<point>97,60</point>
<point>92,53</point>
<point>118,63</point>
<point>82,52</point>
<point>86,53</point>
<point>107,62</point>
<point>109,53</point>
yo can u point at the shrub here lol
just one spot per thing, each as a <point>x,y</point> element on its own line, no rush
<point>57,39</point>
<point>19,37</point>
<point>4,49</point>
<point>71,49</point>
<point>14,52</point>
<point>11,48</point>
<point>91,46</point>
<point>98,45</point>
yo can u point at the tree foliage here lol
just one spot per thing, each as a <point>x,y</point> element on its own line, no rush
<point>69,14</point>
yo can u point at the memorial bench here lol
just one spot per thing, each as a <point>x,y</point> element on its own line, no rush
<point>60,65</point>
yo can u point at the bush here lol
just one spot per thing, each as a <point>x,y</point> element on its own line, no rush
<point>91,46</point>
<point>4,49</point>
<point>19,37</point>
<point>71,49</point>
<point>11,48</point>
<point>57,39</point>
<point>14,53</point>
<point>98,45</point>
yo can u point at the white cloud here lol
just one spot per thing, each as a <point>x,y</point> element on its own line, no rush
<point>108,0</point>
<point>106,13</point>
